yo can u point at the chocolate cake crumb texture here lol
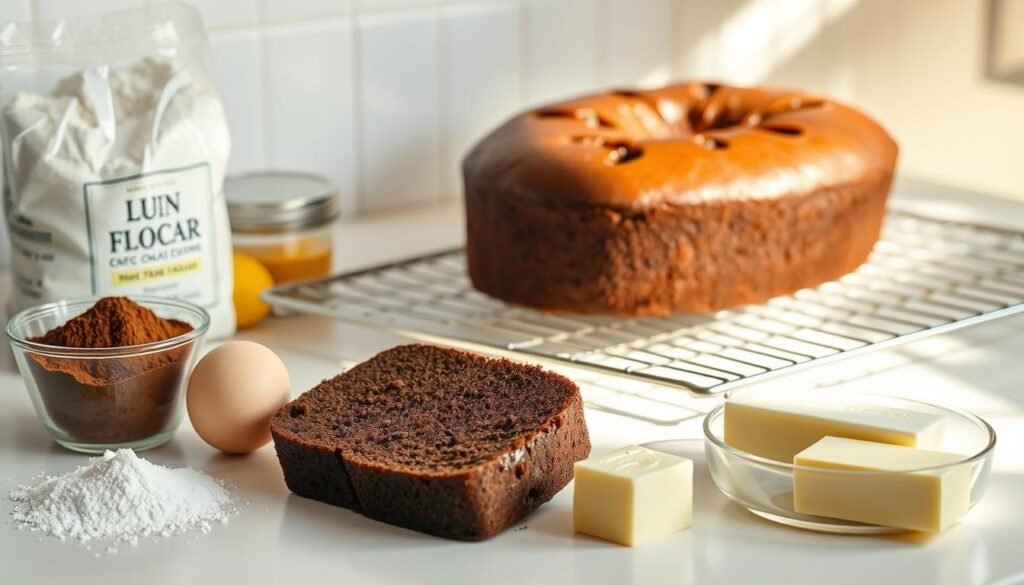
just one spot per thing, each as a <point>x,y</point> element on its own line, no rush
<point>437,440</point>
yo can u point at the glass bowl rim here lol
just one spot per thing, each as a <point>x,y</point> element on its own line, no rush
<point>764,461</point>
<point>148,301</point>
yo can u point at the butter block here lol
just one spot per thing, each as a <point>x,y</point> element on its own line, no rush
<point>778,426</point>
<point>929,501</point>
<point>633,495</point>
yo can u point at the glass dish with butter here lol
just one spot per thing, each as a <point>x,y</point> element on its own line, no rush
<point>860,464</point>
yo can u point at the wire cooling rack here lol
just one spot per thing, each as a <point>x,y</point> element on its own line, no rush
<point>925,276</point>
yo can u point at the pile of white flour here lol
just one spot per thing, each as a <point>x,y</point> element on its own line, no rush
<point>120,496</point>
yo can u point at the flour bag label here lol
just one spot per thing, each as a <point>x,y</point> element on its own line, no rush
<point>153,234</point>
<point>114,161</point>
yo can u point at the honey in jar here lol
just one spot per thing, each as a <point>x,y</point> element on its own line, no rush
<point>284,220</point>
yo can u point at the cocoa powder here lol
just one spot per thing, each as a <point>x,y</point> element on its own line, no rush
<point>114,399</point>
<point>114,322</point>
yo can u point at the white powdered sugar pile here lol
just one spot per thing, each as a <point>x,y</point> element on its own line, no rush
<point>120,496</point>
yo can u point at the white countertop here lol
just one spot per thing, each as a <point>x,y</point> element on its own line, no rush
<point>279,537</point>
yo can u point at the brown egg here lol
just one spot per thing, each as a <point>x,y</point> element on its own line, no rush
<point>233,392</point>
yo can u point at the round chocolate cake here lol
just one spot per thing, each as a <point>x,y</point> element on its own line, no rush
<point>695,197</point>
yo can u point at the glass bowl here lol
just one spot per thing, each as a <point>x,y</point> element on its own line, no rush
<point>765,486</point>
<point>90,399</point>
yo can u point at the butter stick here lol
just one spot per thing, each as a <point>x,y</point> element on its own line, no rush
<point>928,501</point>
<point>633,495</point>
<point>778,426</point>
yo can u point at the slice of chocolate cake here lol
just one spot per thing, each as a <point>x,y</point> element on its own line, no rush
<point>433,439</point>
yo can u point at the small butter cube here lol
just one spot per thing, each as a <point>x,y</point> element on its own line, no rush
<point>928,501</point>
<point>633,495</point>
<point>778,426</point>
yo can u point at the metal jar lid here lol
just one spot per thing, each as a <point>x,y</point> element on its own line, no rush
<point>274,201</point>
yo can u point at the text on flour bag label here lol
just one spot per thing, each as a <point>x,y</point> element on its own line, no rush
<point>161,231</point>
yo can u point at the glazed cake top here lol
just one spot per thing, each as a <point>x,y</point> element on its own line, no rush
<point>683,144</point>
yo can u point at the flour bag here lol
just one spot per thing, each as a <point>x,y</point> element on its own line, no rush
<point>115,144</point>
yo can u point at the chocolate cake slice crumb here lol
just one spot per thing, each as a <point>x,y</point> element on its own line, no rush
<point>437,440</point>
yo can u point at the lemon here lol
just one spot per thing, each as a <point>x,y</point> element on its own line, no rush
<point>251,279</point>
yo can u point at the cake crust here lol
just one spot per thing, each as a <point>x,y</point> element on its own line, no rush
<point>695,197</point>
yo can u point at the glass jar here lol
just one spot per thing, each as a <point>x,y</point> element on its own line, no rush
<point>284,220</point>
<point>91,399</point>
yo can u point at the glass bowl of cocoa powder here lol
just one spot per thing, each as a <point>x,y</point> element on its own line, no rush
<point>110,372</point>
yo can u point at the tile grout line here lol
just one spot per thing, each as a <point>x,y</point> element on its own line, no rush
<point>441,137</point>
<point>600,53</point>
<point>263,53</point>
<point>824,79</point>
<point>517,63</point>
<point>358,160</point>
<point>717,62</point>
<point>338,15</point>
<point>524,70</point>
<point>320,20</point>
<point>675,16</point>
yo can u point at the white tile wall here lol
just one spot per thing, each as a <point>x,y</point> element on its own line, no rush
<point>386,95</point>
<point>636,41</point>
<point>53,9</point>
<point>372,5</point>
<point>482,84</point>
<point>400,125</point>
<point>561,48</point>
<point>225,13</point>
<point>15,9</point>
<point>748,35</point>
<point>309,87</point>
<point>798,29</point>
<point>698,48</point>
<point>294,10</point>
<point>237,59</point>
<point>838,45</point>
